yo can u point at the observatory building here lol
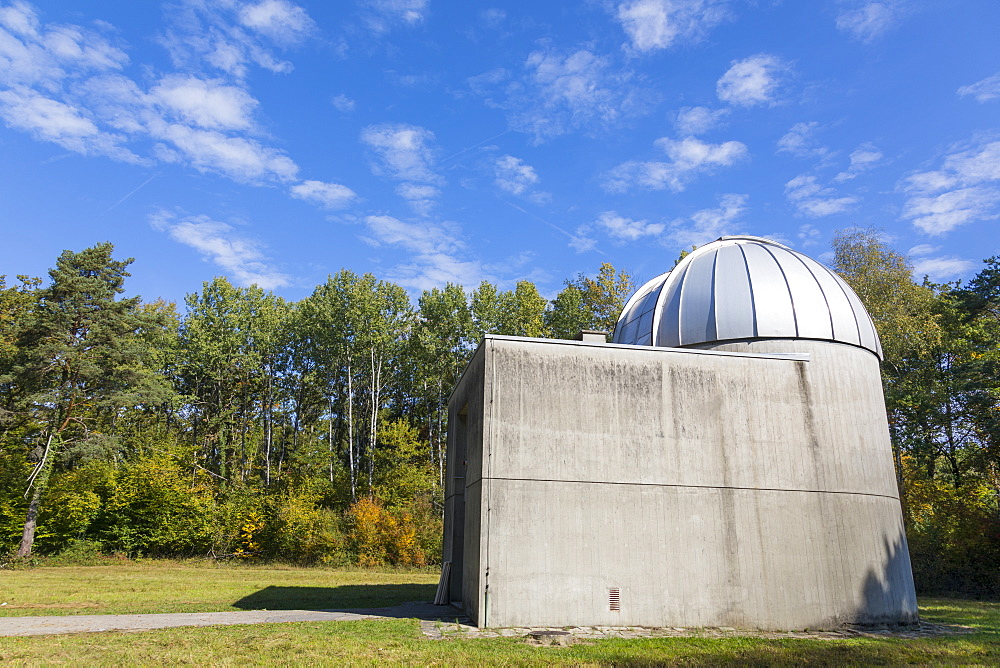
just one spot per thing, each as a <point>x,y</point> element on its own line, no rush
<point>725,461</point>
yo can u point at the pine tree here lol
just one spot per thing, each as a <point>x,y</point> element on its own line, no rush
<point>83,351</point>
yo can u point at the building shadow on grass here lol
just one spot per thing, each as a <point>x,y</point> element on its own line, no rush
<point>386,598</point>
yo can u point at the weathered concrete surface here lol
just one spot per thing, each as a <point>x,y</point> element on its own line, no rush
<point>36,626</point>
<point>722,489</point>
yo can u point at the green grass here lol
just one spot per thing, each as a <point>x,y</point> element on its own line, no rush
<point>174,587</point>
<point>163,586</point>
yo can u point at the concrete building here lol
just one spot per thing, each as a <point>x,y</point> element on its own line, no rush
<point>725,462</point>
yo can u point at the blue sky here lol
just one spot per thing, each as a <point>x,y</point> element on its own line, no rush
<point>428,141</point>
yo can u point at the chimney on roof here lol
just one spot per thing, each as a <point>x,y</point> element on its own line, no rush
<point>592,336</point>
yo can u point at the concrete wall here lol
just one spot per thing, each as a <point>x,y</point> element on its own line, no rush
<point>733,488</point>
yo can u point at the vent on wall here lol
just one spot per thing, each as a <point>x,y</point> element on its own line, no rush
<point>614,599</point>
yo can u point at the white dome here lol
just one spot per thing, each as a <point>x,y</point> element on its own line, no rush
<point>745,288</point>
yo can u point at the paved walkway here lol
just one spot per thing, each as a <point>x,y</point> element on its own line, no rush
<point>36,626</point>
<point>436,622</point>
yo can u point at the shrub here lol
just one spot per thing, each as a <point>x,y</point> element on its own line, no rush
<point>156,509</point>
<point>378,537</point>
<point>299,530</point>
<point>954,536</point>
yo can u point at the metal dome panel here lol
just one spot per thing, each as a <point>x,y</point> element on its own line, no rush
<point>745,288</point>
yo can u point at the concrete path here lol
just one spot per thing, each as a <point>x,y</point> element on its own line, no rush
<point>36,626</point>
<point>437,622</point>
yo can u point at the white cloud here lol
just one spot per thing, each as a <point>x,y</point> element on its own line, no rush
<point>808,235</point>
<point>966,188</point>
<point>403,152</point>
<point>688,157</point>
<point>76,97</point>
<point>413,191</point>
<point>20,18</point>
<point>984,90</point>
<point>420,197</point>
<point>386,13</point>
<point>329,195</point>
<point>50,119</point>
<point>564,92</point>
<point>940,213</point>
<point>923,249</point>
<point>751,81</point>
<point>280,20</point>
<point>812,199</point>
<point>709,224</point>
<point>698,120</point>
<point>627,229</point>
<point>656,24</point>
<point>62,124</point>
<point>690,154</point>
<point>492,17</point>
<point>868,20</point>
<point>342,103</point>
<point>941,268</point>
<point>209,104</point>
<point>242,258</point>
<point>33,54</point>
<point>800,141</point>
<point>863,158</point>
<point>581,242</point>
<point>238,158</point>
<point>231,37</point>
<point>37,64</point>
<point>513,175</point>
<point>435,248</point>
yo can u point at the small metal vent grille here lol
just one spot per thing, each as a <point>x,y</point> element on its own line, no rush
<point>614,599</point>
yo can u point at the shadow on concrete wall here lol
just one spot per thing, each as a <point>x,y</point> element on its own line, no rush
<point>344,597</point>
<point>888,596</point>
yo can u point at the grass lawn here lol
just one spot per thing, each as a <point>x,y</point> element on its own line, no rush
<point>189,587</point>
<point>147,586</point>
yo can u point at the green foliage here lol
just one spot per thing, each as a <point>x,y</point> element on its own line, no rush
<point>79,553</point>
<point>942,347</point>
<point>570,314</point>
<point>403,466</point>
<point>249,428</point>
<point>74,501</point>
<point>378,536</point>
<point>299,529</point>
<point>590,303</point>
<point>954,533</point>
<point>903,311</point>
<point>14,469</point>
<point>155,508</point>
<point>517,312</point>
<point>79,356</point>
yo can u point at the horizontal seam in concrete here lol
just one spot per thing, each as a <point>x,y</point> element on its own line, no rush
<point>656,484</point>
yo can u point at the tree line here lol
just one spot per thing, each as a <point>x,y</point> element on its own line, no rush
<point>247,426</point>
<point>941,378</point>
<point>251,427</point>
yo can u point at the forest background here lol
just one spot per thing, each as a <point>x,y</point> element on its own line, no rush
<point>249,427</point>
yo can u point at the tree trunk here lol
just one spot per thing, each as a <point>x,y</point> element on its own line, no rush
<point>376,379</point>
<point>30,522</point>
<point>329,436</point>
<point>350,430</point>
<point>36,483</point>
<point>268,421</point>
